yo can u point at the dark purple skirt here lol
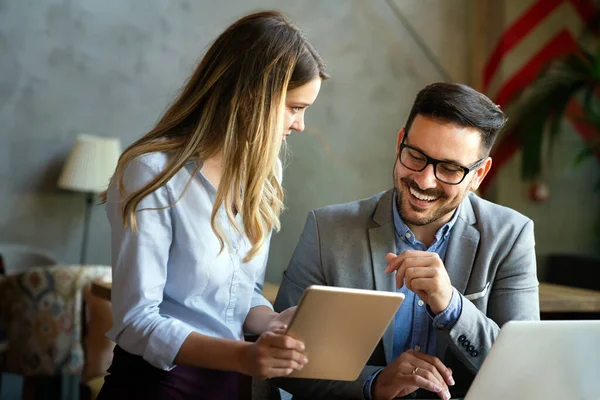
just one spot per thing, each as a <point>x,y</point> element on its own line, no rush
<point>131,377</point>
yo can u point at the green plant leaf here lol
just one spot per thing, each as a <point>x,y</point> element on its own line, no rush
<point>588,94</point>
<point>597,60</point>
<point>560,101</point>
<point>582,156</point>
<point>532,136</point>
<point>543,103</point>
<point>576,64</point>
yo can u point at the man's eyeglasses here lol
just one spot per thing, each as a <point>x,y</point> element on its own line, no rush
<point>444,171</point>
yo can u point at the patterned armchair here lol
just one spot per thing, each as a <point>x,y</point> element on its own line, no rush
<point>42,311</point>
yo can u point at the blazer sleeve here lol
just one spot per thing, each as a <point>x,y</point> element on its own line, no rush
<point>514,296</point>
<point>305,269</point>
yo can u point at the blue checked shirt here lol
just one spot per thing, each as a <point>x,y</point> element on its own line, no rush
<point>414,323</point>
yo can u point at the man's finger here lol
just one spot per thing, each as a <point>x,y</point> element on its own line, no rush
<point>418,278</point>
<point>419,381</point>
<point>444,371</point>
<point>426,285</point>
<point>393,261</point>
<point>408,263</point>
<point>429,372</point>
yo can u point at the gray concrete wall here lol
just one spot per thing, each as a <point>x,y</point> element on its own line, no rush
<point>109,68</point>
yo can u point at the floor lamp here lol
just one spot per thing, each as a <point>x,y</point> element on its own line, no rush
<point>88,169</point>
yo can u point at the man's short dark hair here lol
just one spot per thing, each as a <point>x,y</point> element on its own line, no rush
<point>460,105</point>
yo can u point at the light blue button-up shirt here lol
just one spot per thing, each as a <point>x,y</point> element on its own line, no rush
<point>414,323</point>
<point>169,278</point>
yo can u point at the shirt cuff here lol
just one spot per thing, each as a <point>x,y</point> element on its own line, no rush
<point>164,343</point>
<point>447,318</point>
<point>369,383</point>
<point>259,300</point>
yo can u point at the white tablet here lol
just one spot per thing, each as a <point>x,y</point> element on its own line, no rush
<point>340,328</point>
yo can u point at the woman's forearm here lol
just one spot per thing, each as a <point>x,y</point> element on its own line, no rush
<point>258,319</point>
<point>204,351</point>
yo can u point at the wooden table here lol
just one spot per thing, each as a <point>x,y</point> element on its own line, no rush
<point>565,299</point>
<point>553,298</point>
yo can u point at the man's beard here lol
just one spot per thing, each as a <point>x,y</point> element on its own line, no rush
<point>434,214</point>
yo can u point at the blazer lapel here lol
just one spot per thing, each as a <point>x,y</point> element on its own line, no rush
<point>462,247</point>
<point>460,255</point>
<point>382,241</point>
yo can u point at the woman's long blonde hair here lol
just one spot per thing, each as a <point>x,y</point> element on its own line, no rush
<point>233,104</point>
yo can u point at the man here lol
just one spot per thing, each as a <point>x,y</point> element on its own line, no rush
<point>466,265</point>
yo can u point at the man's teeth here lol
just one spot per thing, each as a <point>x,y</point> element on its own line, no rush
<point>421,196</point>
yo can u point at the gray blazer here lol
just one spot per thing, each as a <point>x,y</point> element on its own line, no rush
<point>490,261</point>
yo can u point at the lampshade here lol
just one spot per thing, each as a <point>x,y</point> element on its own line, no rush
<point>91,164</point>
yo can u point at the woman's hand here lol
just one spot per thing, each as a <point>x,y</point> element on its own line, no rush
<point>282,320</point>
<point>273,355</point>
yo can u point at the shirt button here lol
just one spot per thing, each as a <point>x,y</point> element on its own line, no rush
<point>234,289</point>
<point>420,303</point>
<point>407,235</point>
<point>417,348</point>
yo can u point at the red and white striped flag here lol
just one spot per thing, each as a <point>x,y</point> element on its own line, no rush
<point>534,33</point>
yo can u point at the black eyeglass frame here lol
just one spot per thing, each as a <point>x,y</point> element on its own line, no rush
<point>435,162</point>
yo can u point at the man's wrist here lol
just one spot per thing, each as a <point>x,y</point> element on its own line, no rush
<point>448,317</point>
<point>369,386</point>
<point>439,306</point>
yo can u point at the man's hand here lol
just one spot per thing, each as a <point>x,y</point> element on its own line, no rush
<point>424,273</point>
<point>410,371</point>
<point>282,320</point>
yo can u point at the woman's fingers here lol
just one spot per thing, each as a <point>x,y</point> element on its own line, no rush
<point>283,341</point>
<point>285,363</point>
<point>287,354</point>
<point>279,352</point>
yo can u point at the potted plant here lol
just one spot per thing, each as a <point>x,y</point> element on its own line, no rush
<point>568,87</point>
<point>539,113</point>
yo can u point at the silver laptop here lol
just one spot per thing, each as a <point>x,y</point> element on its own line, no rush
<point>541,360</point>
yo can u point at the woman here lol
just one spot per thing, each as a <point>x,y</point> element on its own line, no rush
<point>192,205</point>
